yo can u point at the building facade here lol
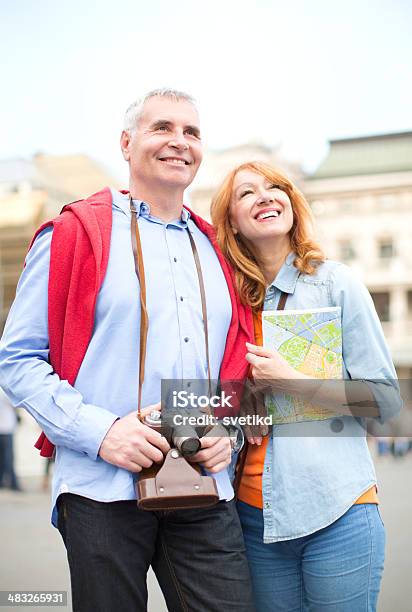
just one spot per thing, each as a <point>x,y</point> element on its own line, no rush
<point>361,196</point>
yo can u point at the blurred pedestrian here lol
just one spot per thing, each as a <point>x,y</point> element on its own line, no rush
<point>383,446</point>
<point>400,446</point>
<point>8,423</point>
<point>46,473</point>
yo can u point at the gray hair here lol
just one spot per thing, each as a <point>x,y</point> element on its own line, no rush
<point>135,110</point>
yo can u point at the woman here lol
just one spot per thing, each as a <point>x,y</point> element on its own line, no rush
<point>308,503</point>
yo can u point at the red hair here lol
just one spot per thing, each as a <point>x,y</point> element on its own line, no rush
<point>250,281</point>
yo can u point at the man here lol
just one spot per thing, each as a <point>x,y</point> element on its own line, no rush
<point>77,306</point>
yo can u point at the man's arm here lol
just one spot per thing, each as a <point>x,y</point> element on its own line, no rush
<point>30,381</point>
<point>25,373</point>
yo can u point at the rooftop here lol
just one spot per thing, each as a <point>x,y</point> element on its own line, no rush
<point>66,177</point>
<point>16,171</point>
<point>376,154</point>
<point>75,176</point>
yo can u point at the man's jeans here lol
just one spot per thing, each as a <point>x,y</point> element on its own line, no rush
<point>336,569</point>
<point>198,556</point>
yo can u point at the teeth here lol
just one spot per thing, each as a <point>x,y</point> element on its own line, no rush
<point>179,162</point>
<point>266,215</point>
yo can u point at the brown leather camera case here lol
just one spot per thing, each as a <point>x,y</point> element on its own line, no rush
<point>175,485</point>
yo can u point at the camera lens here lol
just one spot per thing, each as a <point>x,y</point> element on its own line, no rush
<point>188,446</point>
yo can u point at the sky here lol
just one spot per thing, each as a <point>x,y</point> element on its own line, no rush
<point>295,73</point>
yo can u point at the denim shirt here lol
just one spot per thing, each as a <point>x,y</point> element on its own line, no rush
<point>309,481</point>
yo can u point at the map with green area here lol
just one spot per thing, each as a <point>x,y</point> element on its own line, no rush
<point>311,342</point>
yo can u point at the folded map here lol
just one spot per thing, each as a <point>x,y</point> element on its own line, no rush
<point>311,342</point>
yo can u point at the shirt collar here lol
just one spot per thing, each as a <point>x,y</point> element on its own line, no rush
<point>121,200</point>
<point>185,216</point>
<point>287,276</point>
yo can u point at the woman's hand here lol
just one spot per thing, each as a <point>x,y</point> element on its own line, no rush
<point>271,368</point>
<point>271,373</point>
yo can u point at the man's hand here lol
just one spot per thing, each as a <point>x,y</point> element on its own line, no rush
<point>216,451</point>
<point>131,445</point>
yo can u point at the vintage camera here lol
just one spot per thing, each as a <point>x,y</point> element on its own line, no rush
<point>183,437</point>
<point>184,428</point>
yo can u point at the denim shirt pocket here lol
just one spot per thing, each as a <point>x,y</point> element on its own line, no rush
<point>313,293</point>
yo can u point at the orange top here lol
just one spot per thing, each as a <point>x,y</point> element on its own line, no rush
<point>250,489</point>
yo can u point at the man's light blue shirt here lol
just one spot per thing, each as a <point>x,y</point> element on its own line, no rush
<point>76,419</point>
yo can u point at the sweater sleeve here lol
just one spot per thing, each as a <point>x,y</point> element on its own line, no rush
<point>26,374</point>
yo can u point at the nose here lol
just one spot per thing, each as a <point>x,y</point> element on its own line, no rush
<point>265,197</point>
<point>178,141</point>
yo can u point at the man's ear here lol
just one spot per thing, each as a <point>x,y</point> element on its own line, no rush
<point>124,144</point>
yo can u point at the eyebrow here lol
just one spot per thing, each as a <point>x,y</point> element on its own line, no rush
<point>243,185</point>
<point>250,185</point>
<point>168,123</point>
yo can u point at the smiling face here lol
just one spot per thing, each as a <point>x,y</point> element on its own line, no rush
<point>259,208</point>
<point>164,151</point>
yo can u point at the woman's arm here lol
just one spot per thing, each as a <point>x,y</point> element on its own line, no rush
<point>372,389</point>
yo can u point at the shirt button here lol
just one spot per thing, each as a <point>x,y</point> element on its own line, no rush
<point>181,298</point>
<point>267,505</point>
<point>186,339</point>
<point>175,259</point>
<point>267,469</point>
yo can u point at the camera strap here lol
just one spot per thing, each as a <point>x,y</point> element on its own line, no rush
<point>144,317</point>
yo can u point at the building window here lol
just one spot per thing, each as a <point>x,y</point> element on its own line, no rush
<point>353,204</point>
<point>386,201</point>
<point>347,251</point>
<point>318,207</point>
<point>381,299</point>
<point>386,249</point>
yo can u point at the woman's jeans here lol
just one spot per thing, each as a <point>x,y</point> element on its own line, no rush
<point>336,569</point>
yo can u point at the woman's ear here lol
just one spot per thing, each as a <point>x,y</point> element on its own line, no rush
<point>234,230</point>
